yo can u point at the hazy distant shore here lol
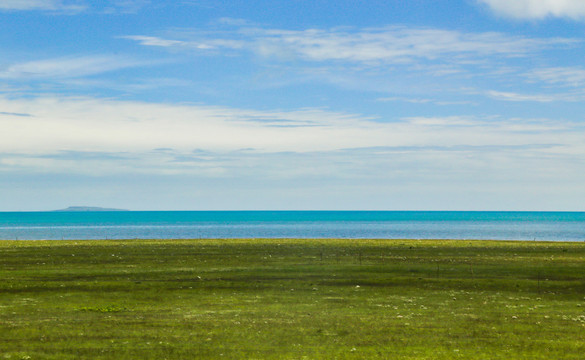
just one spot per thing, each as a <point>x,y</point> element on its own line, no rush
<point>87,209</point>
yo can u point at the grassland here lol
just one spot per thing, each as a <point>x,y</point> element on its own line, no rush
<point>291,299</point>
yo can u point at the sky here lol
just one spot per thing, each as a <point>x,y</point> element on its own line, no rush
<point>292,104</point>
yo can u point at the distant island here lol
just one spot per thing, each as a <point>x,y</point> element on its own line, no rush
<point>89,208</point>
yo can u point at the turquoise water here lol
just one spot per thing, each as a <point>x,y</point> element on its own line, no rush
<point>554,226</point>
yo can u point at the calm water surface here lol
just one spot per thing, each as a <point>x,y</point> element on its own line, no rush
<point>554,226</point>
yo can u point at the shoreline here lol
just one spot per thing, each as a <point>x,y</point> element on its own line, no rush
<point>321,241</point>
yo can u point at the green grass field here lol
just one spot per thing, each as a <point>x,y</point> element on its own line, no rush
<point>291,299</point>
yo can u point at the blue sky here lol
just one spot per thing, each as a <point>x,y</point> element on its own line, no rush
<point>200,104</point>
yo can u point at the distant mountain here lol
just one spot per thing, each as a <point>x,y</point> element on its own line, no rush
<point>89,208</point>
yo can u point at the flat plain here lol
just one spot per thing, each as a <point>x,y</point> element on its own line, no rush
<point>292,299</point>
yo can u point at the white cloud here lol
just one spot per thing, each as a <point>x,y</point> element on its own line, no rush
<point>538,9</point>
<point>155,41</point>
<point>134,129</point>
<point>567,76</point>
<point>74,6</point>
<point>233,21</point>
<point>67,67</point>
<point>414,100</point>
<point>127,86</point>
<point>406,99</point>
<point>127,6</point>
<point>98,125</point>
<point>394,44</point>
<point>52,5</point>
<point>209,44</point>
<point>541,98</point>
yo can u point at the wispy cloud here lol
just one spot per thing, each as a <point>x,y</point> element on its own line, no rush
<point>393,44</point>
<point>127,86</point>
<point>209,44</point>
<point>68,67</point>
<point>234,21</point>
<point>51,5</point>
<point>414,100</point>
<point>563,76</point>
<point>124,6</point>
<point>155,41</point>
<point>540,98</point>
<point>74,6</point>
<point>538,9</point>
<point>413,64</point>
<point>406,99</point>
